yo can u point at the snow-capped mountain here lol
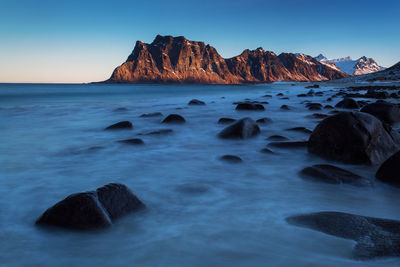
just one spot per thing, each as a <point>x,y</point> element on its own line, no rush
<point>360,66</point>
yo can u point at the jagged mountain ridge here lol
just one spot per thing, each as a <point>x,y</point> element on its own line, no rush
<point>177,60</point>
<point>360,66</point>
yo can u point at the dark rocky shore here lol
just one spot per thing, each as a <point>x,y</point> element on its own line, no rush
<point>357,125</point>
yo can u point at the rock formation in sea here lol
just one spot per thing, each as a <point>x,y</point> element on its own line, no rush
<point>171,59</point>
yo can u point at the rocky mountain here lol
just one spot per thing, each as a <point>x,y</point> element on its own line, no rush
<point>178,60</point>
<point>360,66</point>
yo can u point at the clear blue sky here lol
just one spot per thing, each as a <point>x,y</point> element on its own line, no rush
<point>83,41</point>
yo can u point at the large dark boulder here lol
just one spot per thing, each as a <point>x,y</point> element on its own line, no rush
<point>332,175</point>
<point>120,126</point>
<point>389,171</point>
<point>348,103</point>
<point>375,237</point>
<point>242,129</point>
<point>385,111</point>
<point>353,137</point>
<point>174,118</point>
<point>94,209</point>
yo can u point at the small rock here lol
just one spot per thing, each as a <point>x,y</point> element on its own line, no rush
<point>277,138</point>
<point>133,141</point>
<point>153,114</point>
<point>333,175</point>
<point>264,120</point>
<point>120,126</point>
<point>267,151</point>
<point>158,132</point>
<point>313,86</point>
<point>249,106</point>
<point>196,102</point>
<point>294,144</point>
<point>231,159</point>
<point>348,103</point>
<point>174,118</point>
<point>242,129</point>
<point>226,121</point>
<point>300,129</point>
<point>285,107</point>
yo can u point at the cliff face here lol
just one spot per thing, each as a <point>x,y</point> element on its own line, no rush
<point>177,60</point>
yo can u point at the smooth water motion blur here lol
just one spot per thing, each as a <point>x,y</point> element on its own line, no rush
<point>201,211</point>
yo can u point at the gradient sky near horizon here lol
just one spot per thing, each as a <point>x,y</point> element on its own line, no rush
<point>83,41</point>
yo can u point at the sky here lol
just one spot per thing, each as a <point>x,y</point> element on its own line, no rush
<point>57,41</point>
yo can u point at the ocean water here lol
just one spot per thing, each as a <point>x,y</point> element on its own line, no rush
<point>200,211</point>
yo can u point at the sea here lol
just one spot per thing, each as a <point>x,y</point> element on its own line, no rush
<point>200,211</point>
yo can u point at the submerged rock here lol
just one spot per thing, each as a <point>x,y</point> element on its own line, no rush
<point>196,102</point>
<point>133,141</point>
<point>333,175</point>
<point>174,118</point>
<point>375,237</point>
<point>277,138</point>
<point>353,137</point>
<point>389,171</point>
<point>264,120</point>
<point>300,129</point>
<point>226,121</point>
<point>153,114</point>
<point>285,107</point>
<point>287,144</point>
<point>158,132</point>
<point>94,209</point>
<point>120,125</point>
<point>231,159</point>
<point>249,106</point>
<point>242,129</point>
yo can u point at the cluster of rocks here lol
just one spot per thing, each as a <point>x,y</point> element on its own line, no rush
<point>361,133</point>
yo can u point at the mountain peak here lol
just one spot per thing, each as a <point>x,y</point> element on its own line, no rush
<point>171,59</point>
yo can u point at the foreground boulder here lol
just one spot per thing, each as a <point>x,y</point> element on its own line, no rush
<point>94,209</point>
<point>174,118</point>
<point>353,137</point>
<point>389,171</point>
<point>242,129</point>
<point>332,175</point>
<point>375,237</point>
<point>120,126</point>
<point>385,111</point>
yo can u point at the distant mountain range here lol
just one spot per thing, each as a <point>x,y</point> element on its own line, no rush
<point>360,66</point>
<point>178,60</point>
<point>391,74</point>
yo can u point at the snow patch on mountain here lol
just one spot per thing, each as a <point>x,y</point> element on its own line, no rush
<point>360,66</point>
